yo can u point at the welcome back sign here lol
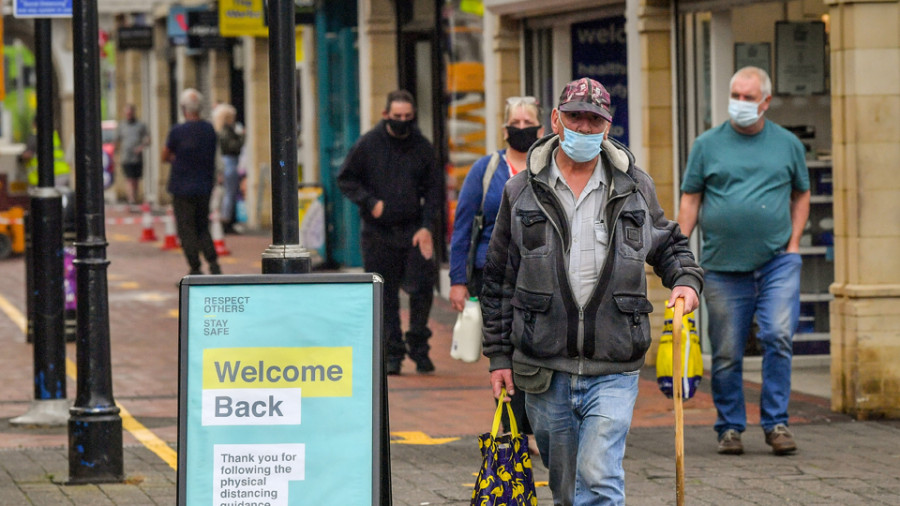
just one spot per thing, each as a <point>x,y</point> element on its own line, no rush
<point>279,402</point>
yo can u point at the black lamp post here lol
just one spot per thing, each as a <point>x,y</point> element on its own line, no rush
<point>95,427</point>
<point>285,255</point>
<point>46,297</point>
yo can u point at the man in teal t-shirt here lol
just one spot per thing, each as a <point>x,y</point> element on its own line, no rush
<point>747,184</point>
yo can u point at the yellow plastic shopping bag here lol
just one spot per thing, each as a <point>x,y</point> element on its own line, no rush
<point>693,360</point>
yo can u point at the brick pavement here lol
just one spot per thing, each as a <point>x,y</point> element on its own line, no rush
<point>434,418</point>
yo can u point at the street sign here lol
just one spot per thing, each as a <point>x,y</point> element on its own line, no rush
<point>203,30</point>
<point>177,25</point>
<point>135,37</point>
<point>281,390</point>
<point>42,8</point>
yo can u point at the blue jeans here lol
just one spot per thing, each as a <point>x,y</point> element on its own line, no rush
<point>580,424</point>
<point>772,292</point>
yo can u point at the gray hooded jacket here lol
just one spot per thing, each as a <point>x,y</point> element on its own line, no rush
<point>532,321</point>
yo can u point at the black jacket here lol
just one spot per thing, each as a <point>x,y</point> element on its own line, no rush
<point>400,172</point>
<point>531,316</point>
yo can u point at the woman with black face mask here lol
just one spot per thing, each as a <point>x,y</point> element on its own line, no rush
<point>522,129</point>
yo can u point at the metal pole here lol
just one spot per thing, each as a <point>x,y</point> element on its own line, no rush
<point>95,427</point>
<point>286,255</point>
<point>47,308</point>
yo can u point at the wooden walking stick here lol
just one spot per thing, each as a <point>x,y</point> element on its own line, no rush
<point>677,394</point>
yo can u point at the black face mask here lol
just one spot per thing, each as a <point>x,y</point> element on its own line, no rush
<point>521,139</point>
<point>400,127</point>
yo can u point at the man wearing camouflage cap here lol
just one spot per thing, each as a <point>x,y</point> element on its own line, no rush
<point>565,293</point>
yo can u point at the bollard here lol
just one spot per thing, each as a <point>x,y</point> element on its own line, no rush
<point>49,407</point>
<point>147,234</point>
<point>218,234</point>
<point>170,241</point>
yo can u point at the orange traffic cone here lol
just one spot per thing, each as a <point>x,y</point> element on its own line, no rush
<point>148,234</point>
<point>170,241</point>
<point>218,234</point>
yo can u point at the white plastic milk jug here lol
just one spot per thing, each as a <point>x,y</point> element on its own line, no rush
<point>466,344</point>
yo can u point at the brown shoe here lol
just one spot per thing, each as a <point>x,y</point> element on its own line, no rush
<point>781,440</point>
<point>730,443</point>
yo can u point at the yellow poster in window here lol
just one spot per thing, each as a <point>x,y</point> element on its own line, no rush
<point>242,17</point>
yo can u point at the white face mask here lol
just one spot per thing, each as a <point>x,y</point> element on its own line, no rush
<point>743,113</point>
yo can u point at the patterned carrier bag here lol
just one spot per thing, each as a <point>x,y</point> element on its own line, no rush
<point>505,478</point>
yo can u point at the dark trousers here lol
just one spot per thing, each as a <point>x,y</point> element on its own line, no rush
<point>192,223</point>
<point>402,266</point>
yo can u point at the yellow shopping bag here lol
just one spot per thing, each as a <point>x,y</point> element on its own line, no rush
<point>693,360</point>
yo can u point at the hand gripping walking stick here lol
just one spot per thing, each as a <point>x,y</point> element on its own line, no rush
<point>677,395</point>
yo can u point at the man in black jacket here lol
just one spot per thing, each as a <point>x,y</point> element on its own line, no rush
<point>565,293</point>
<point>390,173</point>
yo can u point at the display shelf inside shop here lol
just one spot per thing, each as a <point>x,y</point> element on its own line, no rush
<point>817,249</point>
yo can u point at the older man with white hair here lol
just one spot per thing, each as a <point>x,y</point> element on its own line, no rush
<point>191,149</point>
<point>746,184</point>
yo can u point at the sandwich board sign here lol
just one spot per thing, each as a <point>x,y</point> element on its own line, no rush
<point>281,390</point>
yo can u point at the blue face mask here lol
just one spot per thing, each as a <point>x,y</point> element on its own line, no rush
<point>581,147</point>
<point>743,113</point>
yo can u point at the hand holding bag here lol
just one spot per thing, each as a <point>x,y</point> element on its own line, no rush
<point>505,478</point>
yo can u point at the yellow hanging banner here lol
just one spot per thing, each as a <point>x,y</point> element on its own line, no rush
<point>475,7</point>
<point>242,17</point>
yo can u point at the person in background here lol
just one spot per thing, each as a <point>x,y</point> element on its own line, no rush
<point>392,176</point>
<point>747,185</point>
<point>231,140</point>
<point>564,296</point>
<point>29,162</point>
<point>191,149</point>
<point>522,129</point>
<point>131,140</point>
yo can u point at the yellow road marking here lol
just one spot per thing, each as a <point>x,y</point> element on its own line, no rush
<point>136,428</point>
<point>14,314</point>
<point>121,237</point>
<point>128,285</point>
<point>129,423</point>
<point>148,438</point>
<point>420,438</point>
<point>173,313</point>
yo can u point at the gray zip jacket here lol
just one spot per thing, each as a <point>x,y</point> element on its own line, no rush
<point>532,320</point>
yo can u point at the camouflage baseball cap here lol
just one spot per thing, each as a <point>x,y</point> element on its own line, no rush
<point>585,94</point>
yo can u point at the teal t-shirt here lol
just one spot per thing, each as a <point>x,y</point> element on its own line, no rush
<point>746,182</point>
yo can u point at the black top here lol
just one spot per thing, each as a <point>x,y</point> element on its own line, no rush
<point>194,168</point>
<point>400,172</point>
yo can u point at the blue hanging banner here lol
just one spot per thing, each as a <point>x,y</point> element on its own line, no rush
<point>599,51</point>
<point>281,390</point>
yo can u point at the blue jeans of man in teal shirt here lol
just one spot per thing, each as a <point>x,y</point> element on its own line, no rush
<point>772,293</point>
